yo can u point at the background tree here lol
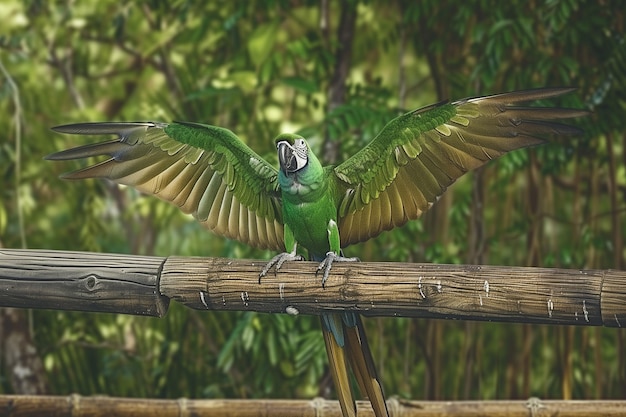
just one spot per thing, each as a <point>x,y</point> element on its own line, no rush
<point>334,72</point>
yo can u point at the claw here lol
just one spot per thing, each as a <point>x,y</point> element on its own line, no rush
<point>277,262</point>
<point>327,264</point>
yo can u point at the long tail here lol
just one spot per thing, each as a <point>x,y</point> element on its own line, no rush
<point>346,342</point>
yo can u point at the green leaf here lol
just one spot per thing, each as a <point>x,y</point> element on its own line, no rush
<point>261,43</point>
<point>301,84</point>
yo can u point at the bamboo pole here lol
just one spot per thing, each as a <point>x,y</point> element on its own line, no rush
<point>465,292</point>
<point>100,406</point>
<point>143,285</point>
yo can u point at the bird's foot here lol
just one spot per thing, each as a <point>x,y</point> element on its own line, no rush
<point>277,261</point>
<point>327,264</point>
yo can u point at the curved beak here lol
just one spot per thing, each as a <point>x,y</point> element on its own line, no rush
<point>290,160</point>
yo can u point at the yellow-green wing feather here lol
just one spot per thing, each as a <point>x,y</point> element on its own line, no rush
<point>205,170</point>
<point>412,161</point>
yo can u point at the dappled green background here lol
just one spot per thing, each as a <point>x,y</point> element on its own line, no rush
<point>261,68</point>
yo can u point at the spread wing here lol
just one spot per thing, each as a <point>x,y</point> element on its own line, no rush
<point>412,161</point>
<point>205,170</point>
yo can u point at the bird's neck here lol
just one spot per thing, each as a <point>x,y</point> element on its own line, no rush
<point>304,185</point>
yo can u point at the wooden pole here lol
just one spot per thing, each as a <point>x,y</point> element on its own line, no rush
<point>83,281</point>
<point>143,285</point>
<point>76,405</point>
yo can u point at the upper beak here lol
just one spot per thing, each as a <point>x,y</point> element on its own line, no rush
<point>292,158</point>
<point>286,156</point>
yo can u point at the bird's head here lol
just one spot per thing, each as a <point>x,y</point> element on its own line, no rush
<point>293,152</point>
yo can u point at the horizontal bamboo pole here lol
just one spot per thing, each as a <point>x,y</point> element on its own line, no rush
<point>467,292</point>
<point>75,405</point>
<point>143,285</point>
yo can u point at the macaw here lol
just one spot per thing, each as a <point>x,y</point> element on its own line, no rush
<point>208,172</point>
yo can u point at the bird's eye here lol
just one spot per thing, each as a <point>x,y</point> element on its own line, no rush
<point>300,143</point>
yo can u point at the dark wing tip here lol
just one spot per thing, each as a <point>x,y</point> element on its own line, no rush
<point>53,157</point>
<point>103,128</point>
<point>85,151</point>
<point>536,93</point>
<point>520,96</point>
<point>123,131</point>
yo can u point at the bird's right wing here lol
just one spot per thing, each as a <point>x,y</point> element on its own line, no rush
<point>204,170</point>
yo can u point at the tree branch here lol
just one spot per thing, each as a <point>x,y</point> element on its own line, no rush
<point>343,59</point>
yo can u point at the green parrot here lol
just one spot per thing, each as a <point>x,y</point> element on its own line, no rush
<point>208,172</point>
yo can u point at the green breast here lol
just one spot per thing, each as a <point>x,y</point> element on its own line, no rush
<point>309,222</point>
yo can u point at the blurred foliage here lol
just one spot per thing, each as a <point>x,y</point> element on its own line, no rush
<point>260,68</point>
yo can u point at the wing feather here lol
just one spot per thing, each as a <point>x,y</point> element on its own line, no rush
<point>412,161</point>
<point>261,226</point>
<point>243,224</point>
<point>205,170</point>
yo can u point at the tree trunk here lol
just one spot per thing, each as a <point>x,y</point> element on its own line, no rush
<point>22,364</point>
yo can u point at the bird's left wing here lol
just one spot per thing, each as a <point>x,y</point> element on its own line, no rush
<point>204,170</point>
<point>412,161</point>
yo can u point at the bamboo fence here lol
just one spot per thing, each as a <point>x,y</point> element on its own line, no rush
<point>141,285</point>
